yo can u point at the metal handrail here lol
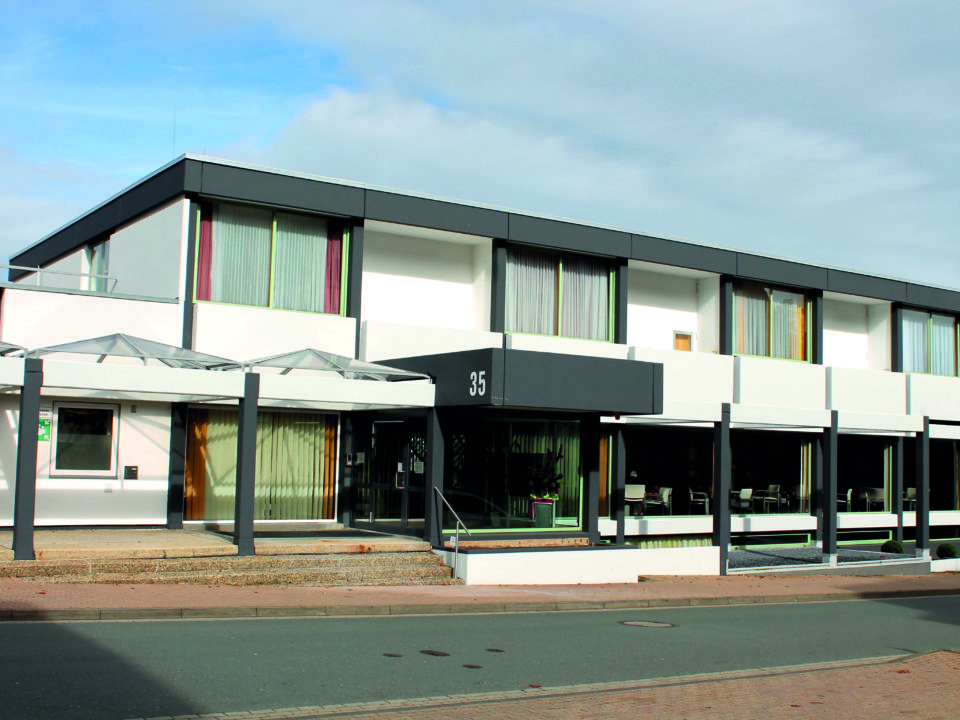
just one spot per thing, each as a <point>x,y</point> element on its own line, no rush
<point>456,538</point>
<point>40,272</point>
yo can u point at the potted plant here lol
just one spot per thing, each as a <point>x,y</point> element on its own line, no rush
<point>544,485</point>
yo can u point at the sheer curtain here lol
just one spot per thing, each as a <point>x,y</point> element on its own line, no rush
<point>585,299</point>
<point>531,292</point>
<point>751,307</point>
<point>914,341</point>
<point>240,255</point>
<point>943,345</point>
<point>788,325</point>
<point>301,263</point>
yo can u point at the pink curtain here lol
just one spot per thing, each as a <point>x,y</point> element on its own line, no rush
<point>205,252</point>
<point>331,299</point>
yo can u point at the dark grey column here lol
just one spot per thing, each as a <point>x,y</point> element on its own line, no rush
<point>590,457</point>
<point>178,465</point>
<point>25,495</point>
<point>722,476</point>
<point>355,277</point>
<point>816,489</point>
<point>498,288</point>
<point>618,496</point>
<point>923,489</point>
<point>896,337</point>
<point>828,519</point>
<point>246,465</point>
<point>896,491</point>
<point>816,329</point>
<point>190,283</point>
<point>433,510</point>
<point>726,315</point>
<point>621,288</point>
<point>345,497</point>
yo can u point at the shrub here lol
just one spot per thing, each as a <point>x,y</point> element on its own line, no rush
<point>892,546</point>
<point>946,550</point>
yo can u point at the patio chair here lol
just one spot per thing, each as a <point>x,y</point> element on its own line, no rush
<point>635,495</point>
<point>663,500</point>
<point>845,500</point>
<point>699,498</point>
<point>910,499</point>
<point>741,499</point>
<point>770,496</point>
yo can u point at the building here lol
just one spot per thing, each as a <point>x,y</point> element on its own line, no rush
<point>585,383</point>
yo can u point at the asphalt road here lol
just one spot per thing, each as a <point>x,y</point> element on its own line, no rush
<point>141,669</point>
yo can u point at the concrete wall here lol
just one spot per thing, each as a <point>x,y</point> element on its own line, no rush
<point>244,333</point>
<point>34,318</point>
<point>708,315</point>
<point>869,391</point>
<point>938,397</point>
<point>845,334</point>
<point>781,383</point>
<point>145,255</point>
<point>73,263</point>
<point>573,567</point>
<point>380,340</point>
<point>879,330</point>
<point>419,281</point>
<point>143,439</point>
<point>659,305</point>
<point>567,346</point>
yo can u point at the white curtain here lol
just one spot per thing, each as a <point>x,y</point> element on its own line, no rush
<point>788,325</point>
<point>240,256</point>
<point>301,258</point>
<point>531,305</point>
<point>585,299</point>
<point>915,341</point>
<point>943,345</point>
<point>751,308</point>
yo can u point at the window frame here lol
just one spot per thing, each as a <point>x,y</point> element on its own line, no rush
<point>929,341</point>
<point>344,259</point>
<point>111,473</point>
<point>560,256</point>
<point>808,320</point>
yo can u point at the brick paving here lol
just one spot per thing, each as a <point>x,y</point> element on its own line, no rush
<point>922,686</point>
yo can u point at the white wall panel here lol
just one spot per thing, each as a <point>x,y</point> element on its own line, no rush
<point>245,333</point>
<point>145,254</point>
<point>845,334</point>
<point>878,327</point>
<point>781,383</point>
<point>380,340</point>
<point>37,318</point>
<point>692,377</point>
<point>866,391</point>
<point>933,395</point>
<point>658,306</point>
<point>567,346</point>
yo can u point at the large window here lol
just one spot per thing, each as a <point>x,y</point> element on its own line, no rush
<point>929,343</point>
<point>770,322</point>
<point>253,256</point>
<point>85,440</point>
<point>553,294</point>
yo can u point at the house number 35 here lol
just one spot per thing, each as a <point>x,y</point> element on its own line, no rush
<point>478,383</point>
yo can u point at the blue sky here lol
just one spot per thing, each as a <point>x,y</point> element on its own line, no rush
<point>826,131</point>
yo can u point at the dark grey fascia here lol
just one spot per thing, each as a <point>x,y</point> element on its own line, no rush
<point>195,177</point>
<point>521,379</point>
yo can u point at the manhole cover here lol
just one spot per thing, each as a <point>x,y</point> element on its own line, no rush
<point>436,653</point>
<point>646,623</point>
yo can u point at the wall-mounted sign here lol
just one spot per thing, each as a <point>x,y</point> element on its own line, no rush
<point>43,432</point>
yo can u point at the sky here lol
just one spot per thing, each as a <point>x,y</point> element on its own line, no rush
<point>822,130</point>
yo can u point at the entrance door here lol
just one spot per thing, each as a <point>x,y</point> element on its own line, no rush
<point>396,483</point>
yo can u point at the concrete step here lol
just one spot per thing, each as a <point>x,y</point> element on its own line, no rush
<point>393,568</point>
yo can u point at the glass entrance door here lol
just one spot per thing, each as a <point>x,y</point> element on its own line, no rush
<point>392,490</point>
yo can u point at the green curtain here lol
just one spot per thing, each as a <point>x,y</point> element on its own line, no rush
<point>240,262</point>
<point>291,471</point>
<point>301,260</point>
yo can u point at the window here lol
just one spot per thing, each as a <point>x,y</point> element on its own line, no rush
<point>98,262</point>
<point>553,294</point>
<point>85,440</point>
<point>929,343</point>
<point>770,322</point>
<point>254,256</point>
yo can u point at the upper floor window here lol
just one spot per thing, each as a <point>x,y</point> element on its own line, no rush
<point>929,343</point>
<point>770,322</point>
<point>254,256</point>
<point>558,294</point>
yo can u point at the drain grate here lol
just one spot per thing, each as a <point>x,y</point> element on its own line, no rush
<point>646,623</point>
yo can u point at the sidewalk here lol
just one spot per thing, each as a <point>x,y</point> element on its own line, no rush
<point>24,600</point>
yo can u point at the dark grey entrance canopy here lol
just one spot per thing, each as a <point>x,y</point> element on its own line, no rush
<point>347,368</point>
<point>537,380</point>
<point>120,345</point>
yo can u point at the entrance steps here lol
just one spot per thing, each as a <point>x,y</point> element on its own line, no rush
<point>422,567</point>
<point>154,556</point>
